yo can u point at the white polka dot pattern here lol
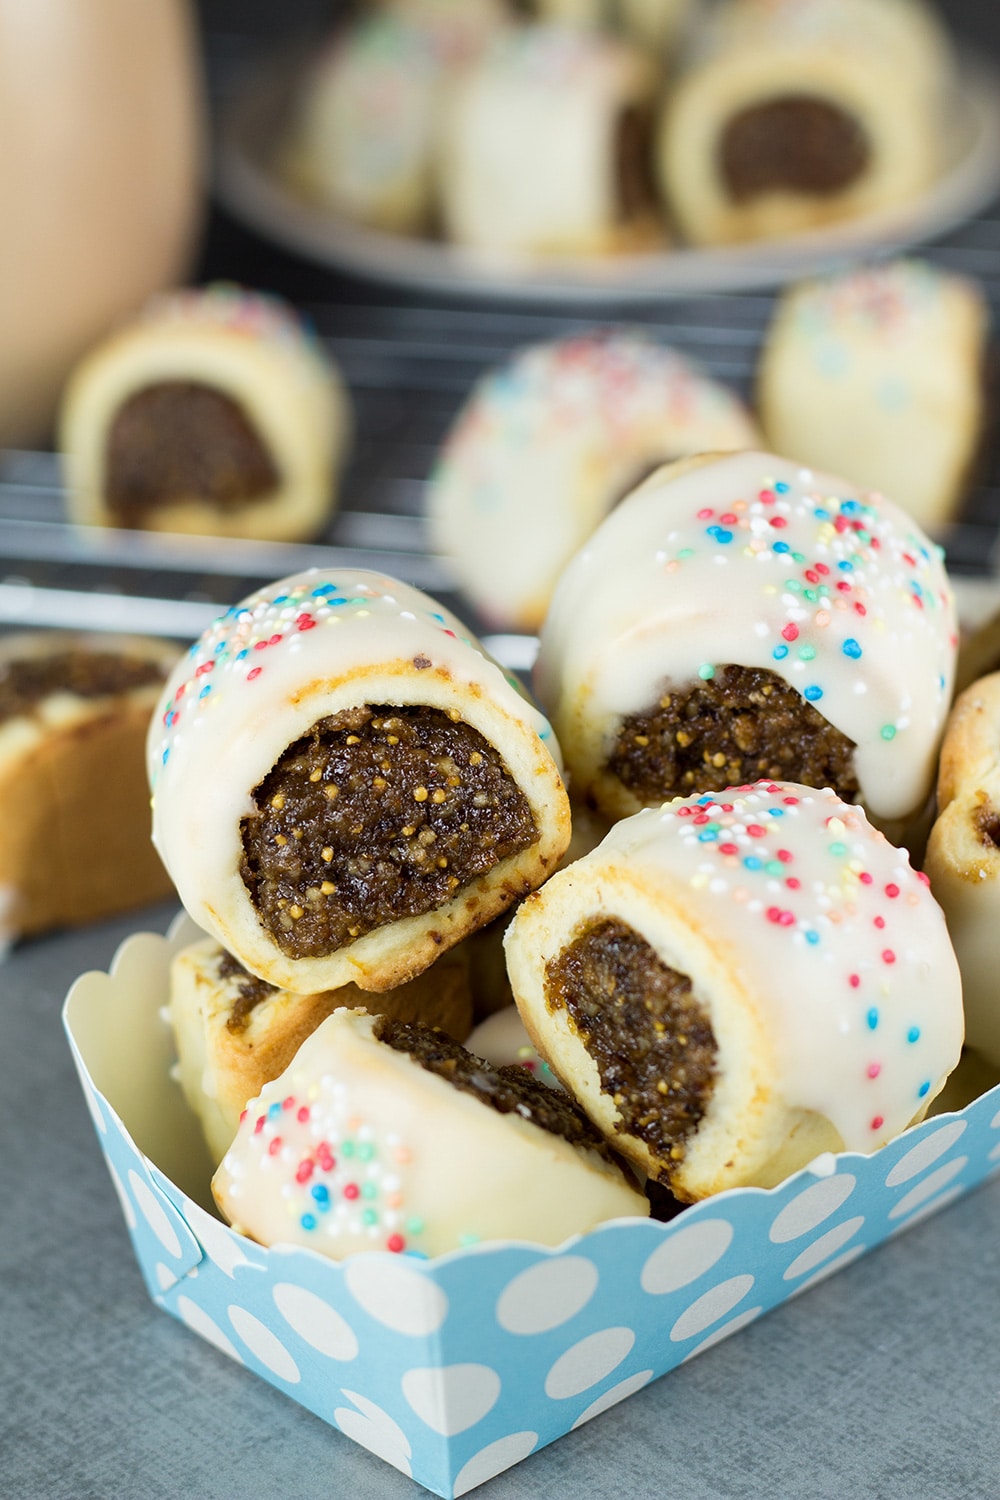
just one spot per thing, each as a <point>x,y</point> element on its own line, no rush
<point>460,1367</point>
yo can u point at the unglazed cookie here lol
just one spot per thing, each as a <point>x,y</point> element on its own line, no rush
<point>739,617</point>
<point>365,130</point>
<point>215,411</point>
<point>791,114</point>
<point>234,1033</point>
<point>878,373</point>
<point>963,854</point>
<point>545,147</point>
<point>730,985</point>
<point>548,442</point>
<point>74,806</point>
<point>383,1135</point>
<point>344,784</point>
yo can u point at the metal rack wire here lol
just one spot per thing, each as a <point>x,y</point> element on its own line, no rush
<point>408,368</point>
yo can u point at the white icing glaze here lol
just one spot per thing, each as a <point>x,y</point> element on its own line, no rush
<point>878,374</point>
<point>261,676</point>
<point>813,916</point>
<point>752,560</point>
<point>357,1147</point>
<point>528,144</point>
<point>548,442</point>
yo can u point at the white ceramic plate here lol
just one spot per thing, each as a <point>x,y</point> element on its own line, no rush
<point>256,195</point>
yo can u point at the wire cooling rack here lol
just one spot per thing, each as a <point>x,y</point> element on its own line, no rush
<point>408,368</point>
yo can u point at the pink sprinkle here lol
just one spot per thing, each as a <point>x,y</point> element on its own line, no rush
<point>790,801</point>
<point>821,568</point>
<point>774,913</point>
<point>855,981</point>
<point>790,632</point>
<point>303,1114</point>
<point>305,622</point>
<point>304,1171</point>
<point>288,1103</point>
<point>351,1190</point>
<point>755,831</point>
<point>793,883</point>
<point>892,891</point>
<point>786,856</point>
<point>243,1115</point>
<point>778,522</point>
<point>729,519</point>
<point>888,957</point>
<point>921,875</point>
<point>685,812</point>
<point>878,1122</point>
<point>866,878</point>
<point>728,849</point>
<point>766,497</point>
<point>254,672</point>
<point>260,1124</point>
<point>260,645</point>
<point>874,1069</point>
<point>701,818</point>
<point>395,1243</point>
<point>275,640</point>
<point>844,586</point>
<point>811,575</point>
<point>206,666</point>
<point>859,607</point>
<point>275,1146</point>
<point>703,515</point>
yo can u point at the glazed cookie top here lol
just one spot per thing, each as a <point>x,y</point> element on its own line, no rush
<point>905,31</point>
<point>227,308</point>
<point>882,311</point>
<point>549,56</point>
<point>312,625</point>
<point>833,934</point>
<point>548,441</point>
<point>753,560</point>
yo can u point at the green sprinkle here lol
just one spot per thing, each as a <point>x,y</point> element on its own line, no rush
<point>838,848</point>
<point>888,731</point>
<point>806,653</point>
<point>774,867</point>
<point>793,585</point>
<point>685,553</point>
<point>414,1226</point>
<point>369,1216</point>
<point>366,1151</point>
<point>706,672</point>
<point>465,1240</point>
<point>347,1148</point>
<point>369,1190</point>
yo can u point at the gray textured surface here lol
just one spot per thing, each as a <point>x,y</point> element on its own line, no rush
<point>882,1383</point>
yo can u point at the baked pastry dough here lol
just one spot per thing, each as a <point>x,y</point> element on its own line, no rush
<point>732,984</point>
<point>792,114</point>
<point>548,442</point>
<point>383,1135</point>
<point>879,374</point>
<point>738,617</point>
<point>364,131</point>
<point>74,805</point>
<point>656,24</point>
<point>234,1033</point>
<point>344,784</point>
<point>963,854</point>
<point>214,412</point>
<point>545,147</point>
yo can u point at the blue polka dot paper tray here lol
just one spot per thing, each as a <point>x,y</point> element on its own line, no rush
<point>454,1369</point>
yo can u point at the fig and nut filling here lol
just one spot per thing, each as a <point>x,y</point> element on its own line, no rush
<point>739,726</point>
<point>250,991</point>
<point>645,1030</point>
<point>509,1089</point>
<point>376,814</point>
<point>28,681</point>
<point>633,163</point>
<point>180,441</point>
<point>795,143</point>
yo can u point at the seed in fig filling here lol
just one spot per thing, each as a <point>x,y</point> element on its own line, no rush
<point>741,725</point>
<point>409,805</point>
<point>644,1028</point>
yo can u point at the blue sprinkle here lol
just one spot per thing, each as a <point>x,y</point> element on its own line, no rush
<point>280,599</point>
<point>913,1035</point>
<point>812,937</point>
<point>274,1111</point>
<point>308,1221</point>
<point>752,862</point>
<point>813,693</point>
<point>872,1019</point>
<point>205,690</point>
<point>782,487</point>
<point>707,836</point>
<point>845,566</point>
<point>851,648</point>
<point>705,799</point>
<point>240,654</point>
<point>781,547</point>
<point>776,812</point>
<point>321,1193</point>
<point>720,533</point>
<point>220,647</point>
<point>416,1254</point>
<point>166,756</point>
<point>850,507</point>
<point>821,514</point>
<point>924,1089</point>
<point>779,653</point>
